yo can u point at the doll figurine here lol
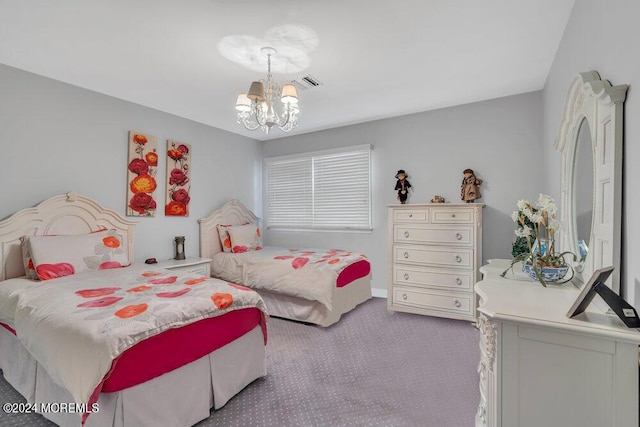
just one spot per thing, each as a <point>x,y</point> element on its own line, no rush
<point>470,188</point>
<point>403,186</point>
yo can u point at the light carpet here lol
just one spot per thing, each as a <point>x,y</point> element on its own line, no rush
<point>373,368</point>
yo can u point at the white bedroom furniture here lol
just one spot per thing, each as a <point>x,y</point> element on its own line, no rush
<point>201,266</point>
<point>435,250</point>
<point>540,368</point>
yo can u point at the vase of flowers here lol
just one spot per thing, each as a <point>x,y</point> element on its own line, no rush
<point>538,225</point>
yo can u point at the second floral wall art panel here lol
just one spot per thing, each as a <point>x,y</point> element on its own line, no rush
<point>178,184</point>
<point>143,165</point>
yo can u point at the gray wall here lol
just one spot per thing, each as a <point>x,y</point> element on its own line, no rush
<point>602,36</point>
<point>55,137</point>
<point>500,139</point>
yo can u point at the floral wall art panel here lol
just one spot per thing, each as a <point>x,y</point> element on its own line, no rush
<point>143,165</point>
<point>178,183</point>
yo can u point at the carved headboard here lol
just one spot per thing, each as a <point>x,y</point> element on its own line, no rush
<point>68,213</point>
<point>232,213</point>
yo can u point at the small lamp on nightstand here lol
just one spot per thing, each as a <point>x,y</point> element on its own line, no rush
<point>179,247</point>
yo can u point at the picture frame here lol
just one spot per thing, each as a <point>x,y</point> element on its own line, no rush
<point>588,292</point>
<point>141,174</point>
<point>618,305</point>
<point>178,181</point>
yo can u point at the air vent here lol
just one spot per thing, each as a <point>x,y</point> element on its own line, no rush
<point>307,82</point>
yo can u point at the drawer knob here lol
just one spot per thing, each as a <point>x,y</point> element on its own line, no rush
<point>458,259</point>
<point>458,281</point>
<point>457,303</point>
<point>406,276</point>
<point>453,215</point>
<point>404,296</point>
<point>406,234</point>
<point>410,215</point>
<point>458,236</point>
<point>406,255</point>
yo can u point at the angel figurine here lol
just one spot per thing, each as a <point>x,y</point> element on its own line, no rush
<point>470,188</point>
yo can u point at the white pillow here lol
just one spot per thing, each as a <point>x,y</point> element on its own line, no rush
<point>245,238</point>
<point>56,256</point>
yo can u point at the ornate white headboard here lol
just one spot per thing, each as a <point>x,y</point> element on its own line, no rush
<point>232,213</point>
<point>68,213</point>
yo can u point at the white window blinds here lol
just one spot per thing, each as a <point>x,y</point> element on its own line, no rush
<point>321,190</point>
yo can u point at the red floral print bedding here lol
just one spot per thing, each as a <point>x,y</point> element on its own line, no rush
<point>305,273</point>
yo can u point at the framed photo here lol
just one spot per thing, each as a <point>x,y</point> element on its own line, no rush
<point>588,292</point>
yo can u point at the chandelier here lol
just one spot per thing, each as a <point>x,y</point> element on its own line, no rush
<point>255,108</point>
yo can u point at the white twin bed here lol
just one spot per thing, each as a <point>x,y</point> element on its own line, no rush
<point>309,285</point>
<point>170,377</point>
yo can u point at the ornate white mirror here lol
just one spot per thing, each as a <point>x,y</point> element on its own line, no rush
<point>583,189</point>
<point>590,141</point>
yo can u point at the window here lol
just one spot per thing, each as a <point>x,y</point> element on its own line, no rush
<point>325,190</point>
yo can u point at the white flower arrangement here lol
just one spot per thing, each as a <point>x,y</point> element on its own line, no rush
<point>539,226</point>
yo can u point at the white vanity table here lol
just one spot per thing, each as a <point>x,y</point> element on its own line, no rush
<point>540,368</point>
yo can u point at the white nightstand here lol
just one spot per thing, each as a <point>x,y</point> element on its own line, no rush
<point>200,266</point>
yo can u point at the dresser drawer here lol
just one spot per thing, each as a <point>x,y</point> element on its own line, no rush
<point>417,276</point>
<point>201,270</point>
<point>433,300</point>
<point>436,257</point>
<point>444,234</point>
<point>452,216</point>
<point>411,215</point>
<point>199,266</point>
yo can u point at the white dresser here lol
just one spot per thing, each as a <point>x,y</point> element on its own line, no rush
<point>540,368</point>
<point>435,251</point>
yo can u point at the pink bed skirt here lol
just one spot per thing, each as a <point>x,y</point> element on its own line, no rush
<point>176,347</point>
<point>353,272</point>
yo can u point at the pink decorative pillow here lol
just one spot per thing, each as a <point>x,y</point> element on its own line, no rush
<point>57,256</point>
<point>225,239</point>
<point>245,238</point>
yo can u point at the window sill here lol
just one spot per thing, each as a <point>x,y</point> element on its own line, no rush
<point>321,230</point>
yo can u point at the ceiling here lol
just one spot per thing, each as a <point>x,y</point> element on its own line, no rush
<point>375,58</point>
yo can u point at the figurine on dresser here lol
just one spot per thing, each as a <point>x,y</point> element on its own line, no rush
<point>402,186</point>
<point>470,188</point>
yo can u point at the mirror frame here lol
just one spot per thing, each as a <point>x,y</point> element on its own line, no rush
<point>599,103</point>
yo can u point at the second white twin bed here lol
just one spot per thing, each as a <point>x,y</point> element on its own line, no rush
<point>310,285</point>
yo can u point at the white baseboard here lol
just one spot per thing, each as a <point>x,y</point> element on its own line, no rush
<point>379,293</point>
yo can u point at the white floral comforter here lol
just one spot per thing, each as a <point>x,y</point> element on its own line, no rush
<point>305,273</point>
<point>75,326</point>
